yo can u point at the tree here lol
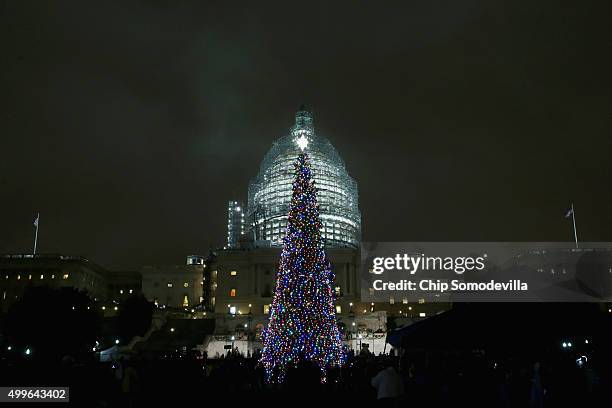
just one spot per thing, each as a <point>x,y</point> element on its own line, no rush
<point>52,323</point>
<point>302,325</point>
<point>135,315</point>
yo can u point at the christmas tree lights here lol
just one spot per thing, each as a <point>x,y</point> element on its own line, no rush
<point>302,316</point>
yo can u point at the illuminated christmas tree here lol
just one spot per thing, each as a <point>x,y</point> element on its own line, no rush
<point>302,316</point>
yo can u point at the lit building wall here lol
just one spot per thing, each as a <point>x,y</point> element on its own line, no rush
<point>123,284</point>
<point>245,281</point>
<point>18,272</point>
<point>175,286</point>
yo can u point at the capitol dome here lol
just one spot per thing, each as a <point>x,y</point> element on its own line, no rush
<point>270,192</point>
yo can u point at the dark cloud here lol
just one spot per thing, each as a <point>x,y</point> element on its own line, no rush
<point>129,126</point>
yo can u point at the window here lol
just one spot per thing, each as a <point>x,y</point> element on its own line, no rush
<point>233,273</point>
<point>422,314</point>
<point>185,301</point>
<point>186,284</point>
<point>338,309</point>
<point>233,292</point>
<point>170,284</point>
<point>337,290</point>
<point>266,309</point>
<point>421,301</point>
<point>391,301</point>
<point>65,276</point>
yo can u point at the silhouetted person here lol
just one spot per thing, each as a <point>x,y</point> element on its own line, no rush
<point>389,386</point>
<point>536,395</point>
<point>129,383</point>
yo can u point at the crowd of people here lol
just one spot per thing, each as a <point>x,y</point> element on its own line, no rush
<point>431,379</point>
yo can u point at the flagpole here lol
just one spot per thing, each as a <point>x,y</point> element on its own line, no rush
<point>36,234</point>
<point>574,221</point>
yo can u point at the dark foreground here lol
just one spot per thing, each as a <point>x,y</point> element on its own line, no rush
<point>428,380</point>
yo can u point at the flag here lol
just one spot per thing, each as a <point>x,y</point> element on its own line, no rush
<point>569,212</point>
<point>36,220</point>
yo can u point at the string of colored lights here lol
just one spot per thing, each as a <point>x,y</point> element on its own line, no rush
<point>302,323</point>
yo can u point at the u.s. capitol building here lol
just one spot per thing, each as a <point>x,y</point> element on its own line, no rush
<point>270,192</point>
<point>243,274</point>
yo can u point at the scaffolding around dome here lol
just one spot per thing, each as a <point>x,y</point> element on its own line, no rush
<point>271,190</point>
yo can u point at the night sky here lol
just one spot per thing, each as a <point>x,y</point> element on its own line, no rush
<point>130,126</point>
